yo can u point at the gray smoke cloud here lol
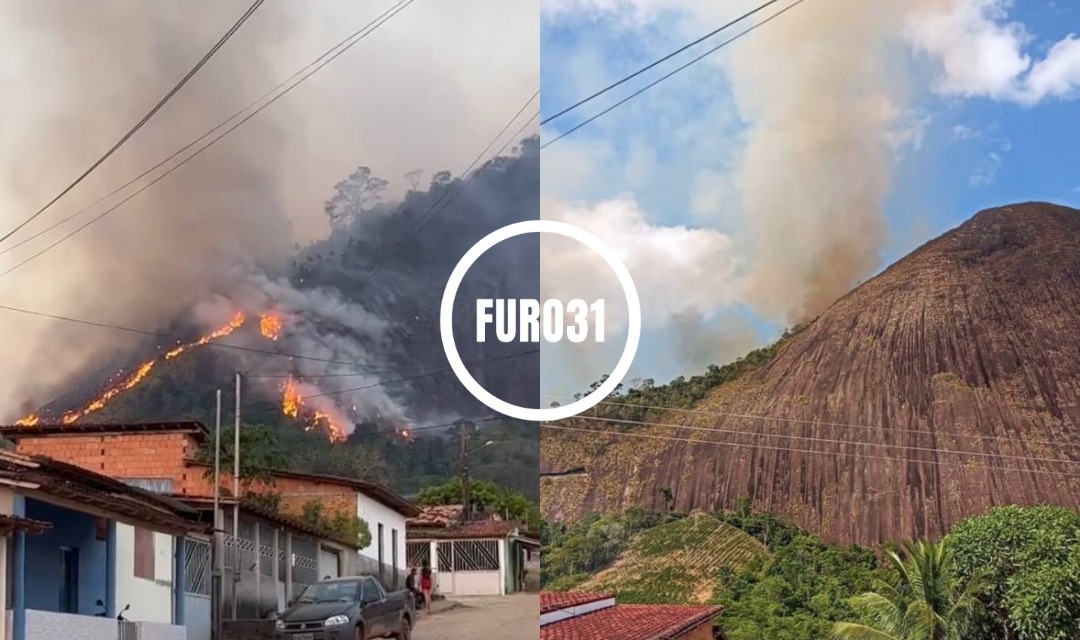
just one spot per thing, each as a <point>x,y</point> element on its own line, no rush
<point>77,75</point>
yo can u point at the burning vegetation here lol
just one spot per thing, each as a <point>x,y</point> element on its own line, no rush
<point>292,405</point>
<point>271,324</point>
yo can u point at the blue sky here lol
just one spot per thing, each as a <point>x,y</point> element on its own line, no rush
<point>984,115</point>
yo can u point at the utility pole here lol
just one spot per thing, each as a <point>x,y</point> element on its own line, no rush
<point>236,487</point>
<point>466,509</point>
<point>217,550</point>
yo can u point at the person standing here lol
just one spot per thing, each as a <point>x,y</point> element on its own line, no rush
<point>426,586</point>
<point>410,585</point>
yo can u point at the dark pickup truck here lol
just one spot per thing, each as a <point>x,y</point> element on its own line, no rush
<point>356,608</point>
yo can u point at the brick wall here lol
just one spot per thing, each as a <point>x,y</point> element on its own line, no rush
<point>294,492</point>
<point>334,498</point>
<point>129,455</point>
<point>164,455</point>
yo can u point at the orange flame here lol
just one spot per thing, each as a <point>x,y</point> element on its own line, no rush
<point>292,404</point>
<point>234,324</point>
<point>337,432</point>
<point>110,393</point>
<point>291,401</point>
<point>270,325</point>
<point>138,376</point>
<point>29,421</point>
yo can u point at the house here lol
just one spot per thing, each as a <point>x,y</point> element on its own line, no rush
<point>479,557</point>
<point>78,547</point>
<point>585,616</point>
<point>163,458</point>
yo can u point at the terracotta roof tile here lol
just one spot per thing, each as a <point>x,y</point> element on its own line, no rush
<point>632,622</point>
<point>465,530</point>
<point>555,600</point>
<point>436,516</point>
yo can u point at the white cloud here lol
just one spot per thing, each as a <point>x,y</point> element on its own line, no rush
<point>677,269</point>
<point>982,53</point>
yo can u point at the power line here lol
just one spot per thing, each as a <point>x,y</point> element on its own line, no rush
<point>657,62</point>
<point>383,383</point>
<point>428,374</point>
<point>468,177</point>
<point>671,73</point>
<point>161,103</point>
<point>386,16</point>
<point>166,336</point>
<point>819,423</point>
<point>735,432</point>
<point>425,218</point>
<point>210,132</point>
<point>794,450</point>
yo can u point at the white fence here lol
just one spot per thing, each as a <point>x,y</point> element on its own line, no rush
<point>47,625</point>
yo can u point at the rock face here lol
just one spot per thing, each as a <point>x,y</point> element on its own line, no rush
<point>946,385</point>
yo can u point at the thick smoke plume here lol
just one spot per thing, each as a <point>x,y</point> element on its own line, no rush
<point>816,89</point>
<point>78,75</point>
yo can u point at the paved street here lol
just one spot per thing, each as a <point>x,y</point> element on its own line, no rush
<point>514,617</point>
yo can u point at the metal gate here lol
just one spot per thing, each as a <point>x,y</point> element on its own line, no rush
<point>197,603</point>
<point>469,567</point>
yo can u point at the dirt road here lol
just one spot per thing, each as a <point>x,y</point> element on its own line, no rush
<point>514,617</point>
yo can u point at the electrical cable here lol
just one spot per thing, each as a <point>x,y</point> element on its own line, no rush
<point>737,433</point>
<point>818,423</point>
<point>671,73</point>
<point>377,23</point>
<point>166,336</point>
<point>657,62</point>
<point>161,103</point>
<point>794,450</point>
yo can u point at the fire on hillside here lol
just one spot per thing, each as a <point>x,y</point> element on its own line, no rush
<point>325,415</point>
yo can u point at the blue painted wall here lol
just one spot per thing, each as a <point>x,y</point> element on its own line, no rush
<point>73,530</point>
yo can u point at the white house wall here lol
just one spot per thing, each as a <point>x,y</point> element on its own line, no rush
<point>150,600</point>
<point>373,512</point>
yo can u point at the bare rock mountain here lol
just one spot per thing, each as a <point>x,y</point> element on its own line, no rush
<point>948,384</point>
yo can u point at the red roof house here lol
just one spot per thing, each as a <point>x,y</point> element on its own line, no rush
<point>583,616</point>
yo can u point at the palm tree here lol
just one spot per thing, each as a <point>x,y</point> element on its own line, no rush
<point>925,603</point>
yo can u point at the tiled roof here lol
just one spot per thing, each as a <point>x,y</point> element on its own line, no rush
<point>15,432</point>
<point>377,492</point>
<point>555,600</point>
<point>465,530</point>
<point>436,516</point>
<point>632,622</point>
<point>52,477</point>
<point>18,523</point>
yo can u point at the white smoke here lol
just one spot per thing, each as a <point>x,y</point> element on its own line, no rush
<point>343,349</point>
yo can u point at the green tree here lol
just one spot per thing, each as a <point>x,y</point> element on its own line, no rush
<point>260,453</point>
<point>1031,559</point>
<point>348,526</point>
<point>924,601</point>
<point>486,496</point>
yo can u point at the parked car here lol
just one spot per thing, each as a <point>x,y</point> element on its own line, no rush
<point>355,608</point>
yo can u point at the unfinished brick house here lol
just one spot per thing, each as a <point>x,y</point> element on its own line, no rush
<point>161,457</point>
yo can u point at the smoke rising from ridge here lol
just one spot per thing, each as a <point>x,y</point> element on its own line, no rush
<point>85,73</point>
<point>819,93</point>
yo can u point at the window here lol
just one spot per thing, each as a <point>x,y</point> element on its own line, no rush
<point>393,551</point>
<point>144,554</point>
<point>382,552</point>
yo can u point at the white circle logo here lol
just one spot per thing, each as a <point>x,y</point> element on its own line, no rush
<point>446,320</point>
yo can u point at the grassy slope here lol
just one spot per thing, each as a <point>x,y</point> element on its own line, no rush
<point>676,562</point>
